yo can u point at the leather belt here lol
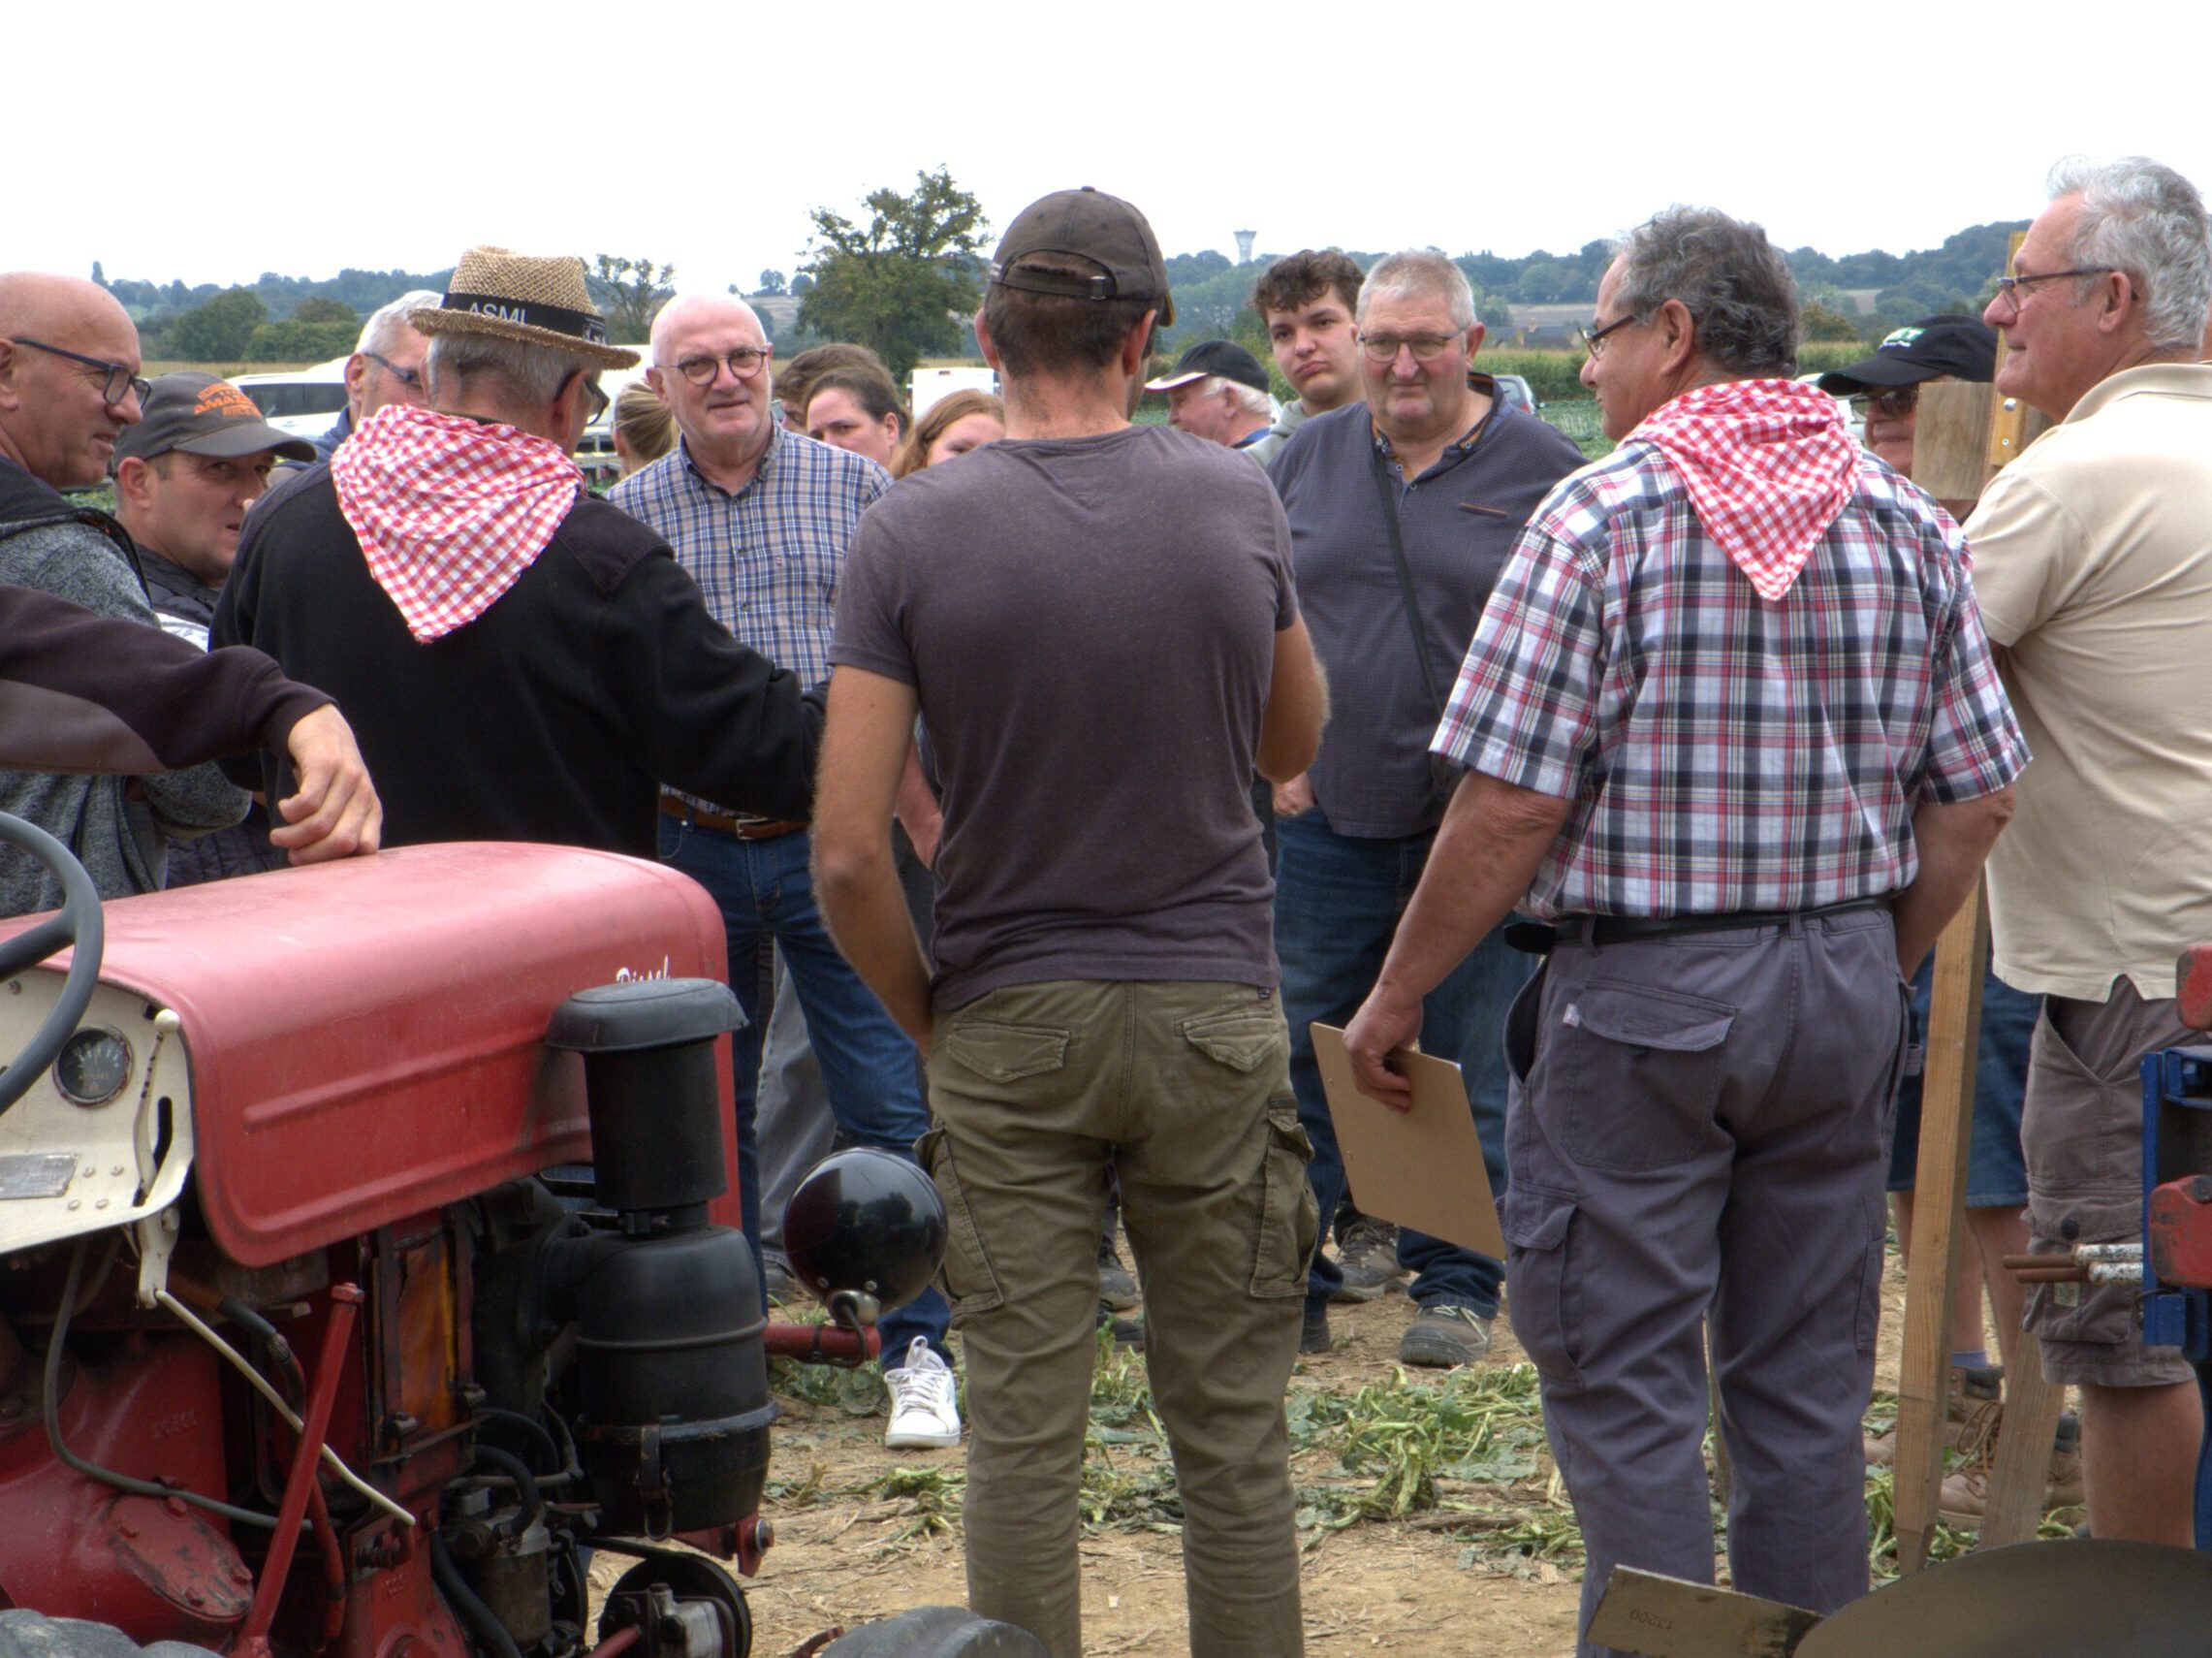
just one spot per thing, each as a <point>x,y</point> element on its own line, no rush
<point>1536,937</point>
<point>743,825</point>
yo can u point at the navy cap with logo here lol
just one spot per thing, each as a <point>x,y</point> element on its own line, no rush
<point>1092,226</point>
<point>203,415</point>
<point>1963,347</point>
<point>1222,357</point>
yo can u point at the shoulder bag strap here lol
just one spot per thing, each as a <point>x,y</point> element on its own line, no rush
<point>1389,503</point>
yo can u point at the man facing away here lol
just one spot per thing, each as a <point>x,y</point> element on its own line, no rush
<point>522,662</point>
<point>2095,572</point>
<point>1733,732</point>
<point>1401,512</point>
<point>761,516</point>
<point>1098,622</point>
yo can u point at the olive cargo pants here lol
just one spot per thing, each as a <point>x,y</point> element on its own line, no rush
<point>1183,1089</point>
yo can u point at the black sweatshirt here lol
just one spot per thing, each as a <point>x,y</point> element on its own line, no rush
<point>558,714</point>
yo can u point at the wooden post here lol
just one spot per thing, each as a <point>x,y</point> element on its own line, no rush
<point>1939,1216</point>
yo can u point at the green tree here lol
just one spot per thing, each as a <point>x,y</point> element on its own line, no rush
<point>319,309</point>
<point>217,332</point>
<point>629,291</point>
<point>900,280</point>
<point>771,283</point>
<point>1818,321</point>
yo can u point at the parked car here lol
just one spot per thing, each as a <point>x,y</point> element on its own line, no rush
<point>1516,389</point>
<point>299,402</point>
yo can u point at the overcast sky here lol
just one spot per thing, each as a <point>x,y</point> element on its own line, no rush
<point>168,141</point>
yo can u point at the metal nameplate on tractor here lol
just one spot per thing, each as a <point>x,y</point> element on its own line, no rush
<point>36,1174</point>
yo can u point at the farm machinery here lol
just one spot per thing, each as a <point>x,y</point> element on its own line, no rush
<point>369,1262</point>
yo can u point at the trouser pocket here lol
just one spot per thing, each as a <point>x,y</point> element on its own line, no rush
<point>966,1277</point>
<point>1639,1069</point>
<point>1538,1224</point>
<point>1289,1216</point>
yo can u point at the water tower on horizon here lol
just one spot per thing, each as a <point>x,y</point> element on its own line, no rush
<point>1245,247</point>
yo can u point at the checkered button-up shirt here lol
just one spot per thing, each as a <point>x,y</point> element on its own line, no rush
<point>1726,752</point>
<point>768,557</point>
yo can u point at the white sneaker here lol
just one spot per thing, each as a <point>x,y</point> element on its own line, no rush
<point>923,1416</point>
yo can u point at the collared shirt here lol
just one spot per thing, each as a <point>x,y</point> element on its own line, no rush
<point>1723,752</point>
<point>2094,570</point>
<point>769,555</point>
<point>1457,521</point>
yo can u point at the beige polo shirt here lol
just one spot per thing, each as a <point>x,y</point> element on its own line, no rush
<point>2093,565</point>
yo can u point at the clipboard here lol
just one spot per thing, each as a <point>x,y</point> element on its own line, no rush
<point>1422,1168</point>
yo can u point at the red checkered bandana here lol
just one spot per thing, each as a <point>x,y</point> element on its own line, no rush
<point>449,512</point>
<point>1768,464</point>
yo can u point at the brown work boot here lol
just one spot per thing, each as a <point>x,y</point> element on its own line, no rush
<point>1367,1254</point>
<point>1969,1414</point>
<point>1965,1499</point>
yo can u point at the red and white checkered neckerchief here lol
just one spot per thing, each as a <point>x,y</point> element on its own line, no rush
<point>1768,464</point>
<point>449,511</point>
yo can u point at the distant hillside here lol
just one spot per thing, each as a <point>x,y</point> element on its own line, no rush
<point>1876,290</point>
<point>360,291</point>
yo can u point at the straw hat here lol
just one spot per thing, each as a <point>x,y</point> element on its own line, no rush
<point>512,296</point>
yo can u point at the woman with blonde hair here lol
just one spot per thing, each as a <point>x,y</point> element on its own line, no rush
<point>954,425</point>
<point>642,428</point>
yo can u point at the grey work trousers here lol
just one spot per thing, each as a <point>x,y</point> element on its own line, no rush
<point>1698,1132</point>
<point>1183,1090</point>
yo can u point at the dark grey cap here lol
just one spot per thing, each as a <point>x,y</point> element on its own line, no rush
<point>203,415</point>
<point>1090,225</point>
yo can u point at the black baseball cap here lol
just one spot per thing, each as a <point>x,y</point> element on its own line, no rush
<point>203,415</point>
<point>1091,225</point>
<point>1222,357</point>
<point>1962,347</point>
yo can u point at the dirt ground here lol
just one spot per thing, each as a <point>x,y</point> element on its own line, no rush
<point>1412,1586</point>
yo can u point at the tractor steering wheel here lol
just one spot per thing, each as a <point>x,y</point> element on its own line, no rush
<point>77,923</point>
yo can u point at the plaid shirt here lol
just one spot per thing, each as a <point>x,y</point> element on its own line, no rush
<point>1724,752</point>
<point>769,557</point>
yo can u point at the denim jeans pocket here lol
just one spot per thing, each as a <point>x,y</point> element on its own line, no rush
<point>1539,1283</point>
<point>966,1276</point>
<point>1289,1217</point>
<point>1640,1070</point>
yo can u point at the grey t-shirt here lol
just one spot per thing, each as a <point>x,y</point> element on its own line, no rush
<point>1089,624</point>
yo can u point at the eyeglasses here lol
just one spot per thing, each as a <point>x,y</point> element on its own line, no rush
<point>744,361</point>
<point>2016,288</point>
<point>119,383</point>
<point>595,400</point>
<point>1893,404</point>
<point>1593,336</point>
<point>1425,347</point>
<point>411,378</point>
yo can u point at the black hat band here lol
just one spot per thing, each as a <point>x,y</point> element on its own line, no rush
<point>578,325</point>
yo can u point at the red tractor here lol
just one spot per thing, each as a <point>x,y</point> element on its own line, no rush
<point>369,1258</point>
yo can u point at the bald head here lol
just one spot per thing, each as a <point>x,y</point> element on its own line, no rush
<point>56,421</point>
<point>723,414</point>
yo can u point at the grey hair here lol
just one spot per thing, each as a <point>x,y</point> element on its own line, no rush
<point>1727,275</point>
<point>532,376</point>
<point>1251,398</point>
<point>381,332</point>
<point>1419,271</point>
<point>2143,218</point>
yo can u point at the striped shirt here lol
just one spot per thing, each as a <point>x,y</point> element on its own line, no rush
<point>766,558</point>
<point>1724,752</point>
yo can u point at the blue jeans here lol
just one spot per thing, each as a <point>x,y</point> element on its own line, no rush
<point>765,889</point>
<point>1337,902</point>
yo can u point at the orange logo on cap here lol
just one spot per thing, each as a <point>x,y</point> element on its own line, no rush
<point>225,398</point>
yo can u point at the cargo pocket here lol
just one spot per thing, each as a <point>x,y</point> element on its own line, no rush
<point>1537,1223</point>
<point>1005,1053</point>
<point>1640,1068</point>
<point>1869,1327</point>
<point>966,1278</point>
<point>1289,1217</point>
<point>2102,1315</point>
<point>1243,1039</point>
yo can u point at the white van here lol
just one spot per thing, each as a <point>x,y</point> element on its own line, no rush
<point>299,402</point>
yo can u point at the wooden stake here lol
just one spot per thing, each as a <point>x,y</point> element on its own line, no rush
<point>1939,1216</point>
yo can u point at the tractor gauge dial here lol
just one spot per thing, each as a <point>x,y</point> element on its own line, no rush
<point>94,1066</point>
